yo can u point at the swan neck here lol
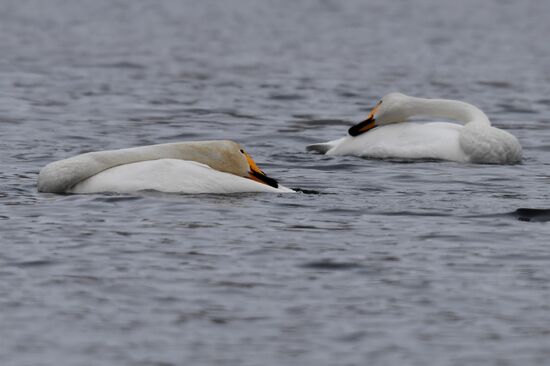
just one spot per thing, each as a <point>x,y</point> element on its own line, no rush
<point>452,109</point>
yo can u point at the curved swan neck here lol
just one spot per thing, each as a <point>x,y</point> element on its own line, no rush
<point>445,108</point>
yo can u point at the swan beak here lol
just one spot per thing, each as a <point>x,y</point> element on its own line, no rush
<point>256,174</point>
<point>367,124</point>
<point>363,127</point>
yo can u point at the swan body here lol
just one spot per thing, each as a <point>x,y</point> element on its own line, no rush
<point>476,141</point>
<point>185,167</point>
<point>169,175</point>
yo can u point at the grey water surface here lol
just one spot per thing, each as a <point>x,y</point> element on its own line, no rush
<point>392,263</point>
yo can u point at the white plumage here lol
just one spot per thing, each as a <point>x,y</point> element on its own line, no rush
<point>476,141</point>
<point>185,167</point>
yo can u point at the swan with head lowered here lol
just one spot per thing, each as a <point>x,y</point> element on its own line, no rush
<point>182,167</point>
<point>386,135</point>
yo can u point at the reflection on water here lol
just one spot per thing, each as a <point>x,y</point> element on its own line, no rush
<point>425,263</point>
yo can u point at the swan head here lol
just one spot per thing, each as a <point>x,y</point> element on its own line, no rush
<point>256,173</point>
<point>230,157</point>
<point>392,108</point>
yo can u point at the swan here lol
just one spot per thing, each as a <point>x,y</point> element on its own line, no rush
<point>181,167</point>
<point>385,135</point>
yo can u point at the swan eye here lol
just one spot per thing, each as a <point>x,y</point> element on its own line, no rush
<point>242,151</point>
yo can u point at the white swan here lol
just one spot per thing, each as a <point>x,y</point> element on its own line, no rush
<point>183,167</point>
<point>474,142</point>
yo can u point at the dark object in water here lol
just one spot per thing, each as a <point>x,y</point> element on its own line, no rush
<point>532,214</point>
<point>328,264</point>
<point>306,191</point>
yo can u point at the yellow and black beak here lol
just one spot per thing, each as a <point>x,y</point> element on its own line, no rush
<point>362,127</point>
<point>367,124</point>
<point>256,174</point>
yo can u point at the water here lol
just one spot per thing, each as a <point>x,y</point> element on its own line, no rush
<point>393,263</point>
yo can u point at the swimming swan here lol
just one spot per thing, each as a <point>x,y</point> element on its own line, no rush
<point>384,135</point>
<point>182,167</point>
